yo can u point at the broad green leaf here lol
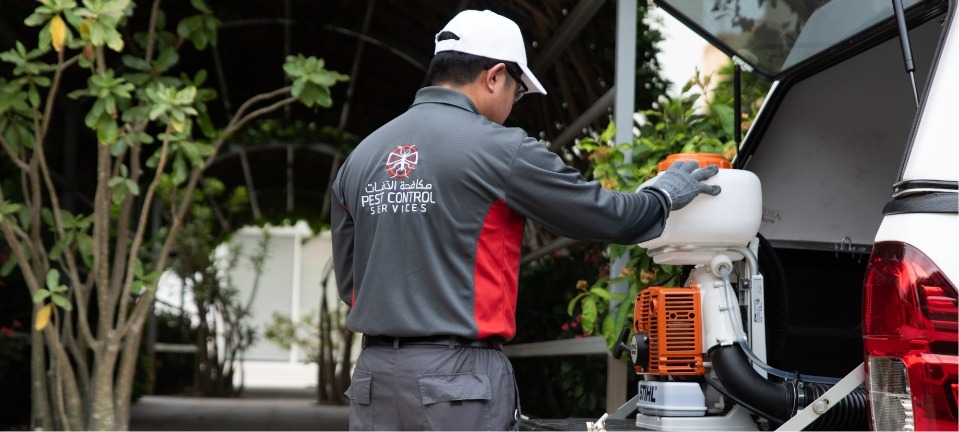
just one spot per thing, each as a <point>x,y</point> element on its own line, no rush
<point>24,217</point>
<point>41,295</point>
<point>133,187</point>
<point>107,132</point>
<point>37,18</point>
<point>201,6</point>
<point>199,78</point>
<point>137,114</point>
<point>179,170</point>
<point>167,58</point>
<point>57,248</point>
<point>76,94</point>
<point>41,81</point>
<point>323,97</point>
<point>206,125</point>
<point>609,330</point>
<point>53,278</point>
<point>9,208</point>
<point>97,32</point>
<point>33,95</point>
<point>8,266</point>
<point>62,302</point>
<point>69,220</point>
<point>726,116</point>
<point>144,138</point>
<point>297,88</point>
<point>93,117</point>
<point>47,216</point>
<point>119,194</point>
<point>113,9</point>
<point>589,314</point>
<point>85,246</point>
<point>188,26</point>
<point>157,110</point>
<point>600,292</point>
<point>185,96</point>
<point>572,303</point>
<point>608,134</point>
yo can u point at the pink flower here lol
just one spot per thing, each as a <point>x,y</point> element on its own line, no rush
<point>564,327</point>
<point>6,331</point>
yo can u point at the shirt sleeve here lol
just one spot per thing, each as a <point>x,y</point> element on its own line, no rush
<point>546,190</point>
<point>342,232</point>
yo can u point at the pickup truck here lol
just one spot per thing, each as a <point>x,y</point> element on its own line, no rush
<point>857,150</point>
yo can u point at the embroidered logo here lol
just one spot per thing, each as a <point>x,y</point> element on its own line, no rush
<point>400,194</point>
<point>402,161</point>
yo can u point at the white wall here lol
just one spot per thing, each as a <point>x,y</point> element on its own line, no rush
<point>289,284</point>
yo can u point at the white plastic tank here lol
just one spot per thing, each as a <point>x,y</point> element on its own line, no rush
<point>731,218</point>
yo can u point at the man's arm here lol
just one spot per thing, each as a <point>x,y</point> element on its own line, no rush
<point>343,229</point>
<point>554,195</point>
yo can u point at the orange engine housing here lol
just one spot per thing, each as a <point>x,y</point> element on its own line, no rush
<point>671,319</point>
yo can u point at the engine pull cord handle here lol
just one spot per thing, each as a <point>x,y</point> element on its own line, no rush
<point>621,346</point>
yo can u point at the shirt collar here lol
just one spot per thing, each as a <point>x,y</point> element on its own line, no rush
<point>444,95</point>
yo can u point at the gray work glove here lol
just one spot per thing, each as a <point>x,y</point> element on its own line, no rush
<point>683,181</point>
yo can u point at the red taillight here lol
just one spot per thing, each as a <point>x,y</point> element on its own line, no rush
<point>910,322</point>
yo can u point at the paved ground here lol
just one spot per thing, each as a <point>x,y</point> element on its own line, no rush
<point>261,409</point>
<point>281,409</point>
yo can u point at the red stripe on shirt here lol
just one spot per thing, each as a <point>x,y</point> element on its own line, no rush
<point>496,273</point>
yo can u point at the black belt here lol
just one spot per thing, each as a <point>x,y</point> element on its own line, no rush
<point>450,341</point>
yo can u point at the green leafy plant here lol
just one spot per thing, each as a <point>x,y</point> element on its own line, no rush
<point>303,334</point>
<point>92,271</point>
<point>558,386</point>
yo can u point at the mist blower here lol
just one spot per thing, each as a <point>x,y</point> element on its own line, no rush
<point>700,349</point>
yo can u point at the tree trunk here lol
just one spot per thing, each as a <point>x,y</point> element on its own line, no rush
<point>127,372</point>
<point>65,376</point>
<point>325,360</point>
<point>41,414</point>
<point>102,407</point>
<point>202,357</point>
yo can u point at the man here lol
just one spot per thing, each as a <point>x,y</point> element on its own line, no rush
<point>428,222</point>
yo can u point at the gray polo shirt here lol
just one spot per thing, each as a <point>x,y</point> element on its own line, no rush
<point>428,214</point>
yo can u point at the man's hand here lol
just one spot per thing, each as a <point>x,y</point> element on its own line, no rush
<point>683,181</point>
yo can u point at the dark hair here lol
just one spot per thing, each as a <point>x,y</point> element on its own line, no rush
<point>458,68</point>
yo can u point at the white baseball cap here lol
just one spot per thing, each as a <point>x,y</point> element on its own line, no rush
<point>487,34</point>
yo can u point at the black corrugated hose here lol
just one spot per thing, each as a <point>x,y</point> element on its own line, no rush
<point>782,399</point>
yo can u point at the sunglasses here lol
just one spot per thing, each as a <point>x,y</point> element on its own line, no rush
<point>521,90</point>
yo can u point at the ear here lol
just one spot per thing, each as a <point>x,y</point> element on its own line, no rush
<point>492,76</point>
